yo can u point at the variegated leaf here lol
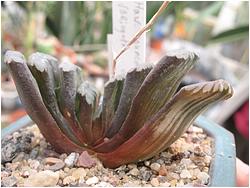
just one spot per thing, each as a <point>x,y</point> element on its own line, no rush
<point>31,98</point>
<point>43,68</point>
<point>156,90</point>
<point>169,123</point>
<point>69,82</point>
<point>85,108</point>
<point>132,83</point>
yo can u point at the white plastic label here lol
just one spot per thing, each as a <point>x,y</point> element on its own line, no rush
<point>128,18</point>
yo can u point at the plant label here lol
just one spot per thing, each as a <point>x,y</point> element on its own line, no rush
<point>128,18</point>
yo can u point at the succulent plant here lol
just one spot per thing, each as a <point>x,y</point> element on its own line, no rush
<point>138,115</point>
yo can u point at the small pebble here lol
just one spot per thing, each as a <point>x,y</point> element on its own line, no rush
<point>92,180</point>
<point>134,172</point>
<point>180,184</point>
<point>52,160</point>
<point>146,175</point>
<point>19,157</point>
<point>103,184</point>
<point>203,177</point>
<point>165,184</point>
<point>174,175</point>
<point>146,163</point>
<point>79,172</point>
<point>185,174</point>
<point>163,170</point>
<point>155,166</point>
<point>42,179</point>
<point>68,180</point>
<point>71,159</point>
<point>154,182</point>
<point>132,166</point>
<point>173,183</point>
<point>34,164</point>
<point>9,181</point>
<point>56,166</point>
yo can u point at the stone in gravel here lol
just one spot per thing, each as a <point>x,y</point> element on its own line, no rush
<point>160,161</point>
<point>174,175</point>
<point>165,184</point>
<point>146,175</point>
<point>34,164</point>
<point>180,184</point>
<point>71,159</point>
<point>155,167</point>
<point>8,151</point>
<point>20,156</point>
<point>173,183</point>
<point>50,153</point>
<point>131,166</point>
<point>85,160</point>
<point>134,172</point>
<point>68,180</point>
<point>154,182</point>
<point>130,184</point>
<point>34,153</point>
<point>4,174</point>
<point>185,174</point>
<point>14,166</point>
<point>186,162</point>
<point>56,166</point>
<point>92,180</point>
<point>9,181</point>
<point>25,174</point>
<point>103,184</point>
<point>205,169</point>
<point>207,160</point>
<point>163,171</point>
<point>162,179</point>
<point>146,163</point>
<point>203,177</point>
<point>79,172</point>
<point>42,179</point>
<point>196,172</point>
<point>55,163</point>
<point>63,156</point>
<point>52,160</point>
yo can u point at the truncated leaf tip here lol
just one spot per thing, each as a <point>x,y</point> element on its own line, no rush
<point>13,56</point>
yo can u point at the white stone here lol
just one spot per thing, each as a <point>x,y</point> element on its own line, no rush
<point>92,180</point>
<point>103,184</point>
<point>165,184</point>
<point>45,178</point>
<point>134,172</point>
<point>155,166</point>
<point>68,180</point>
<point>203,177</point>
<point>185,174</point>
<point>71,159</point>
<point>154,182</point>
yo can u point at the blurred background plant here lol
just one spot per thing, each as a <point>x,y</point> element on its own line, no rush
<point>77,32</point>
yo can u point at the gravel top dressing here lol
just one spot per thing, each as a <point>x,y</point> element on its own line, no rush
<point>28,160</point>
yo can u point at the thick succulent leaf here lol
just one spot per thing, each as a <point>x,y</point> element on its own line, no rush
<point>43,69</point>
<point>31,99</point>
<point>85,108</point>
<point>169,123</point>
<point>97,126</point>
<point>157,89</point>
<point>111,98</point>
<point>132,83</point>
<point>69,81</point>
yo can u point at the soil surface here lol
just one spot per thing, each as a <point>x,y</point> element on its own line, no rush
<point>28,160</point>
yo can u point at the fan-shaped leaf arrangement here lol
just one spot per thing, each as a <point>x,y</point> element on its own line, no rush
<point>138,115</point>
